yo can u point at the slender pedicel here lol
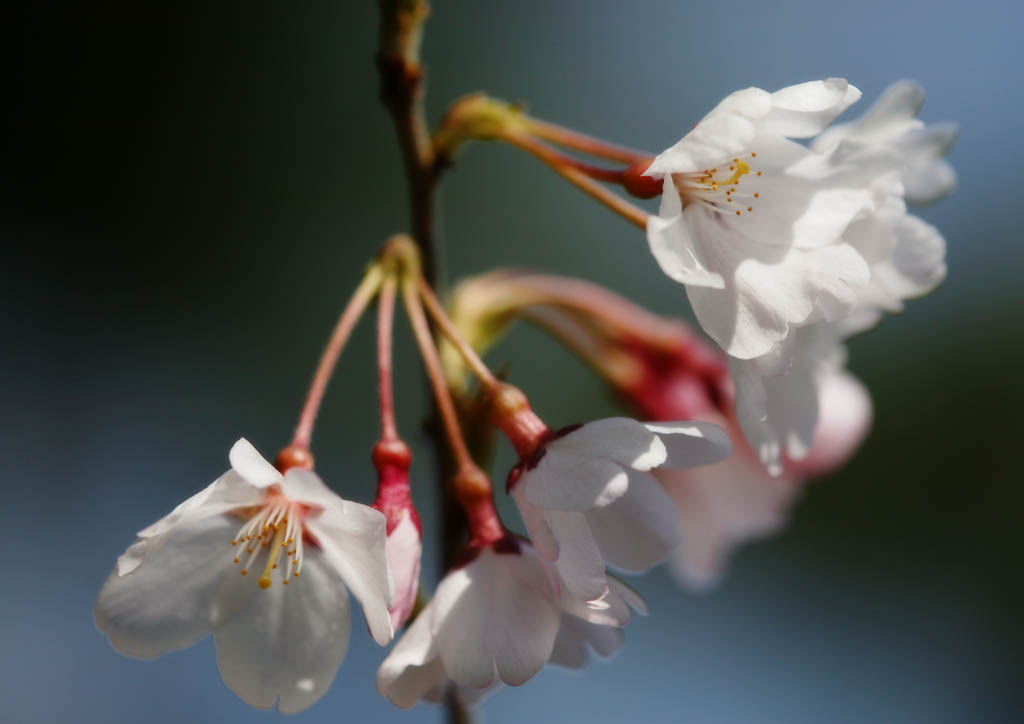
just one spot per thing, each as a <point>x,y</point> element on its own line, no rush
<point>364,293</point>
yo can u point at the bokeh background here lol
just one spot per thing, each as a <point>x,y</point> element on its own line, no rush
<point>189,193</point>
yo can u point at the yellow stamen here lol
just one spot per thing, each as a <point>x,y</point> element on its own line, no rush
<point>272,559</point>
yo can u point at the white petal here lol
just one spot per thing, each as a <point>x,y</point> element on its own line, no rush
<point>165,603</point>
<point>227,492</point>
<point>918,262</point>
<point>639,529</point>
<point>724,132</point>
<point>523,642</point>
<point>495,616</point>
<point>691,443</point>
<point>670,243</point>
<point>413,667</point>
<point>543,539</point>
<point>576,637</point>
<point>621,439</point>
<point>568,482</point>
<point>353,540</point>
<point>617,609</point>
<point>252,466</point>
<point>579,563</point>
<point>305,486</point>
<point>286,644</point>
<point>803,110</point>
<point>460,617</point>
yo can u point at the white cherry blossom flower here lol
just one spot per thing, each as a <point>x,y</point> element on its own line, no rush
<point>752,222</point>
<point>219,562</point>
<point>892,122</point>
<point>588,497</point>
<point>497,619</point>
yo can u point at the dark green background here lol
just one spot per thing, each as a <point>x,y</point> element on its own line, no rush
<point>189,192</point>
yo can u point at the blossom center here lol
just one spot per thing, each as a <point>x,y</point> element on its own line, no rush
<point>275,528</point>
<point>717,188</point>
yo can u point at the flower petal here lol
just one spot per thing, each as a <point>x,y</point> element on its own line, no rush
<point>639,529</point>
<point>286,643</point>
<point>724,132</point>
<point>576,637</point>
<point>671,244</point>
<point>353,540</point>
<point>305,486</point>
<point>691,443</point>
<point>621,439</point>
<point>252,466</point>
<point>404,549</point>
<point>843,422</point>
<point>165,603</point>
<point>803,110</point>
<point>568,482</point>
<point>580,564</point>
<point>413,667</point>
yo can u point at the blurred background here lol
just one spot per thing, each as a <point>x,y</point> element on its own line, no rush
<point>189,194</point>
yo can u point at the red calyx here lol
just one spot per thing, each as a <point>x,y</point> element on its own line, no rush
<point>392,459</point>
<point>294,456</point>
<point>638,185</point>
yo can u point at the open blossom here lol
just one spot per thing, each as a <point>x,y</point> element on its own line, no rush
<point>752,222</point>
<point>778,393</point>
<point>219,562</point>
<point>588,497</point>
<point>497,618</point>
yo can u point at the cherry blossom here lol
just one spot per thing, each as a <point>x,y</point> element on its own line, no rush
<point>262,560</point>
<point>498,618</point>
<point>588,497</point>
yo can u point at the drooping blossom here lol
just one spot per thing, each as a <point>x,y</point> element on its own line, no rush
<point>588,497</point>
<point>262,560</point>
<point>752,222</point>
<point>497,618</point>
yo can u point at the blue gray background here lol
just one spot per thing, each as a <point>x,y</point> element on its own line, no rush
<point>189,192</point>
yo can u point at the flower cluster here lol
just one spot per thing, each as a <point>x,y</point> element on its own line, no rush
<point>785,251</point>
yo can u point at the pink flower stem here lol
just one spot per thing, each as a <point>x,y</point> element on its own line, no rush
<point>582,142</point>
<point>472,486</point>
<point>448,328</point>
<point>570,170</point>
<point>385,325</point>
<point>364,293</point>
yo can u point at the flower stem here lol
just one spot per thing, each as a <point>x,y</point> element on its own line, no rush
<point>385,324</point>
<point>569,169</point>
<point>448,328</point>
<point>364,293</point>
<point>582,142</point>
<point>472,486</point>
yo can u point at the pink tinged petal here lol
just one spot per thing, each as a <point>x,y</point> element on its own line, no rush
<point>568,482</point>
<point>577,637</point>
<point>404,549</point>
<point>579,564</point>
<point>460,618</point>
<point>671,244</point>
<point>724,132</point>
<point>252,466</point>
<point>353,540</point>
<point>719,507</point>
<point>621,439</point>
<point>804,110</point>
<point>618,606</point>
<point>165,604</point>
<point>688,444</point>
<point>639,529</point>
<point>543,539</point>
<point>844,420</point>
<point>305,486</point>
<point>413,668</point>
<point>286,643</point>
<point>523,641</point>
